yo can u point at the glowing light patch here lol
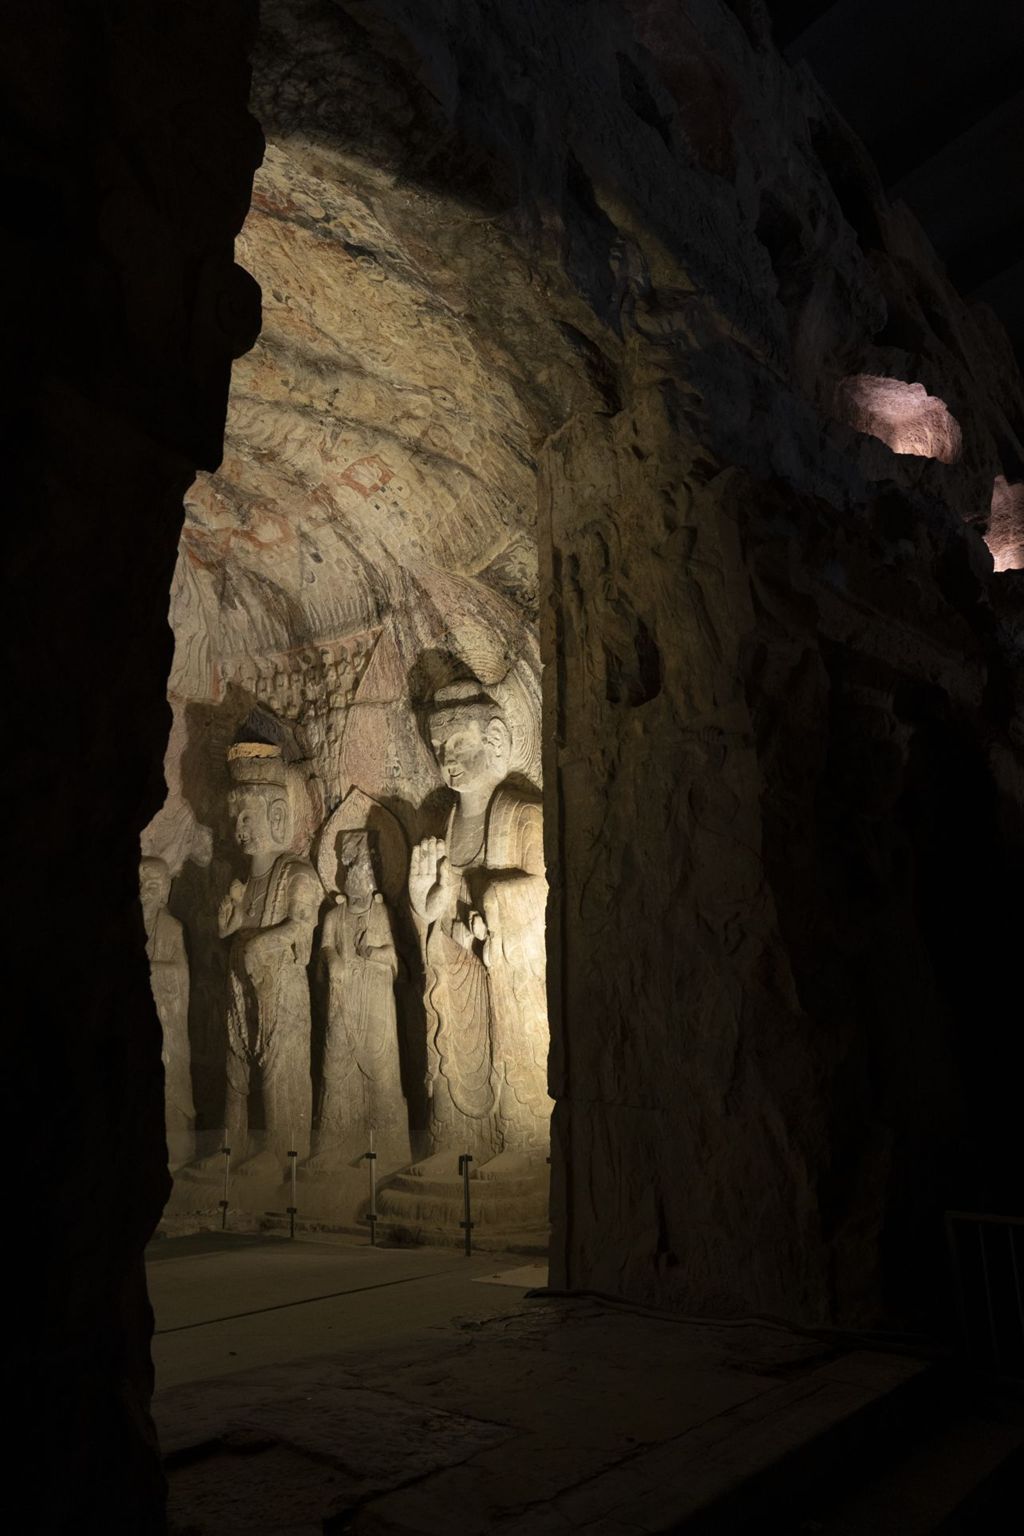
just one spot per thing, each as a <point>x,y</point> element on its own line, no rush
<point>904,416</point>
<point>1005,536</point>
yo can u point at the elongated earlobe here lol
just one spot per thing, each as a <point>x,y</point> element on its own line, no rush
<point>278,820</point>
<point>498,737</point>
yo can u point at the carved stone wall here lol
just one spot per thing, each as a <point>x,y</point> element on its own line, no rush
<point>372,526</point>
<point>647,255</point>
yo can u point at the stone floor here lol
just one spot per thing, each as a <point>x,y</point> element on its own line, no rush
<point>228,1304</point>
<point>322,1387</point>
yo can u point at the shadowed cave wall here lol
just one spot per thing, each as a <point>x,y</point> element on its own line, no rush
<point>783,695</point>
<point>129,160</point>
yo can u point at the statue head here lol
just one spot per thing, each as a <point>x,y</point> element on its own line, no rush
<point>154,882</point>
<point>470,738</point>
<point>356,859</point>
<point>260,801</point>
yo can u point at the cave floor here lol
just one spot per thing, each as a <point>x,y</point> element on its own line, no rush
<point>326,1387</point>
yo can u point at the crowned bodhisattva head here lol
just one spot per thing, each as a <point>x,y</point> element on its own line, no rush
<point>260,800</point>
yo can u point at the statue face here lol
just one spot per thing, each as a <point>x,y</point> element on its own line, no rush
<point>355,867</point>
<point>352,849</point>
<point>359,881</point>
<point>259,827</point>
<point>465,752</point>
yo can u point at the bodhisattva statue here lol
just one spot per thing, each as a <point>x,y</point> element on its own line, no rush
<point>168,976</point>
<point>270,919</point>
<point>363,1104</point>
<point>478,896</point>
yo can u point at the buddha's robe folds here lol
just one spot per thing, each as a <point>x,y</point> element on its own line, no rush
<point>487,1031</point>
<point>268,1005</point>
<point>169,979</point>
<point>362,1072</point>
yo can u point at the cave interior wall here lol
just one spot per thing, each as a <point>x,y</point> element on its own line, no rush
<point>782,695</point>
<point>672,337</point>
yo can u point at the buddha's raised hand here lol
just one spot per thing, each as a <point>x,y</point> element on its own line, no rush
<point>430,879</point>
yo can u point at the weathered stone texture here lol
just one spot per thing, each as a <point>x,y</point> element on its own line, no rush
<point>587,283</point>
<point>775,647</point>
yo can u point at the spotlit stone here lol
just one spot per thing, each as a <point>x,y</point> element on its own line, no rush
<point>904,416</point>
<point>1005,536</point>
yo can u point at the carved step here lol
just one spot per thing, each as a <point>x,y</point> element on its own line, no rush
<point>438,1203</point>
<point>413,1184</point>
<point>509,1215</point>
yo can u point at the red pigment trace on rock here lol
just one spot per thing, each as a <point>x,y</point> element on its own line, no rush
<point>367,475</point>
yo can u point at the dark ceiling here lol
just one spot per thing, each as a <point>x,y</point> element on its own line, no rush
<point>935,88</point>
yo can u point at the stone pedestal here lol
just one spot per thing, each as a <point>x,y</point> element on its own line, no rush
<point>508,1203</point>
<point>260,1191</point>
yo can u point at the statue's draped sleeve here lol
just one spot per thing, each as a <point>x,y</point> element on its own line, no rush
<point>295,894</point>
<point>458,1015</point>
<point>514,906</point>
<point>170,983</point>
<point>380,938</point>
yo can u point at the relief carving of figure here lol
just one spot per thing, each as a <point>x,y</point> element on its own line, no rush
<point>478,896</point>
<point>362,1075</point>
<point>168,975</point>
<point>269,919</point>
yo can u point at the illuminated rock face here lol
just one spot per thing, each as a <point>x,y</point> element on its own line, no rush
<point>554,328</point>
<point>370,535</point>
<point>1005,536</point>
<point>904,416</point>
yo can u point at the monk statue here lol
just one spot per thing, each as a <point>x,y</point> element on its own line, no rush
<point>363,1106</point>
<point>168,976</point>
<point>478,897</point>
<point>269,919</point>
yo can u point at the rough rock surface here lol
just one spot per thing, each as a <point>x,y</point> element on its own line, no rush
<point>544,1416</point>
<point>375,510</point>
<point>903,416</point>
<point>587,286</point>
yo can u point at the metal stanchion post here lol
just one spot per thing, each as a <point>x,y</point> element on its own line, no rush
<point>371,1215</point>
<point>293,1208</point>
<point>226,1150</point>
<point>466,1224</point>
